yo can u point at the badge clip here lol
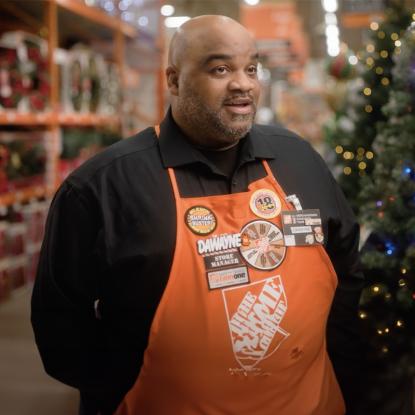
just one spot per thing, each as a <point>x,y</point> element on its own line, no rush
<point>295,201</point>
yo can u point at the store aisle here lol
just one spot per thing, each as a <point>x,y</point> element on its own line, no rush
<point>25,389</point>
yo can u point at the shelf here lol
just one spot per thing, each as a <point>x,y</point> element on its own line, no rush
<point>87,119</point>
<point>98,16</point>
<point>23,195</point>
<point>18,118</point>
<point>13,118</point>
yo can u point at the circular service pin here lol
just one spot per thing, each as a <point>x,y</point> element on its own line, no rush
<point>265,204</point>
<point>262,245</point>
<point>200,220</point>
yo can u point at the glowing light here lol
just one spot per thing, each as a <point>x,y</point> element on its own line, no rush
<point>370,61</point>
<point>347,171</point>
<point>127,16</point>
<point>333,50</point>
<point>339,149</point>
<point>390,248</point>
<point>252,2</point>
<point>362,315</point>
<point>175,21</point>
<point>384,54</point>
<point>143,21</point>
<point>367,91</point>
<point>381,35</point>
<point>362,165</point>
<point>385,349</point>
<point>369,155</point>
<point>330,6</point>
<point>368,108</point>
<point>360,151</point>
<point>379,203</point>
<point>109,6</point>
<point>375,289</point>
<point>379,70</point>
<point>374,25</point>
<point>385,81</point>
<point>330,19</point>
<point>353,60</point>
<point>402,282</point>
<point>167,10</point>
<point>403,270</point>
<point>399,323</point>
<point>394,36</point>
<point>370,48</point>
<point>398,43</point>
<point>379,331</point>
<point>124,4</point>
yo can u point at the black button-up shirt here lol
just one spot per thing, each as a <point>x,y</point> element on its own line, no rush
<point>110,236</point>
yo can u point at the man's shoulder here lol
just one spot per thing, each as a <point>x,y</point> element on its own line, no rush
<point>280,139</point>
<point>130,151</point>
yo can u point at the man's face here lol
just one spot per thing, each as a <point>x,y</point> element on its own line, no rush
<point>218,89</point>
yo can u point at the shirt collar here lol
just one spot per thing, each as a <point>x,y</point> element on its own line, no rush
<point>176,150</point>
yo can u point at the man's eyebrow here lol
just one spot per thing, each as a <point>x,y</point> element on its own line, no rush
<point>224,57</point>
<point>216,56</point>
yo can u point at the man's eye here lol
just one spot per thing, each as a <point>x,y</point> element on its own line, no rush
<point>220,70</point>
<point>252,70</point>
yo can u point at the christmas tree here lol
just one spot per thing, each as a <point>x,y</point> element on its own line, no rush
<point>353,129</point>
<point>388,209</point>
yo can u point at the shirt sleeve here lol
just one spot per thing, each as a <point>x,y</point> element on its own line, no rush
<point>66,329</point>
<point>343,334</point>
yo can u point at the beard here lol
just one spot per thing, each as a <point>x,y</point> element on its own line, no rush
<point>210,123</point>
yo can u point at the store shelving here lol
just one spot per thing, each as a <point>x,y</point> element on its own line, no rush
<point>24,195</point>
<point>56,21</point>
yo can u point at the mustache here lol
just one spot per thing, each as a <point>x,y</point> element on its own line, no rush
<point>239,99</point>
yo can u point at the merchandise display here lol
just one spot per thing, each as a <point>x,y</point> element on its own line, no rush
<point>21,233</point>
<point>89,84</point>
<point>24,78</point>
<point>22,159</point>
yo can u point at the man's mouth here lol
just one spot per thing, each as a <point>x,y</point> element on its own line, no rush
<point>240,105</point>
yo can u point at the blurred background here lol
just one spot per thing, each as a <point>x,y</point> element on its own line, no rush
<point>79,75</point>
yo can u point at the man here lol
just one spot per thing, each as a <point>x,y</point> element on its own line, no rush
<point>167,283</point>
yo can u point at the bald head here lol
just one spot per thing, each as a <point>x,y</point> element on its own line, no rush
<point>199,29</point>
<point>212,79</point>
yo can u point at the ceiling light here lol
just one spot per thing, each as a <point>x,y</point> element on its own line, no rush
<point>252,2</point>
<point>330,18</point>
<point>167,10</point>
<point>332,31</point>
<point>143,21</point>
<point>175,21</point>
<point>330,6</point>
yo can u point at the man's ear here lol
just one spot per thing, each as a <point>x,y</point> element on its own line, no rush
<point>172,77</point>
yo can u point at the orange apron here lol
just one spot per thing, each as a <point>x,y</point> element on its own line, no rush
<point>220,344</point>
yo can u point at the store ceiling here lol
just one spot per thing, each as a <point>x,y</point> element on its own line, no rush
<point>310,10</point>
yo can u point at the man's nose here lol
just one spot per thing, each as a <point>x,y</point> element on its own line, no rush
<point>242,81</point>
